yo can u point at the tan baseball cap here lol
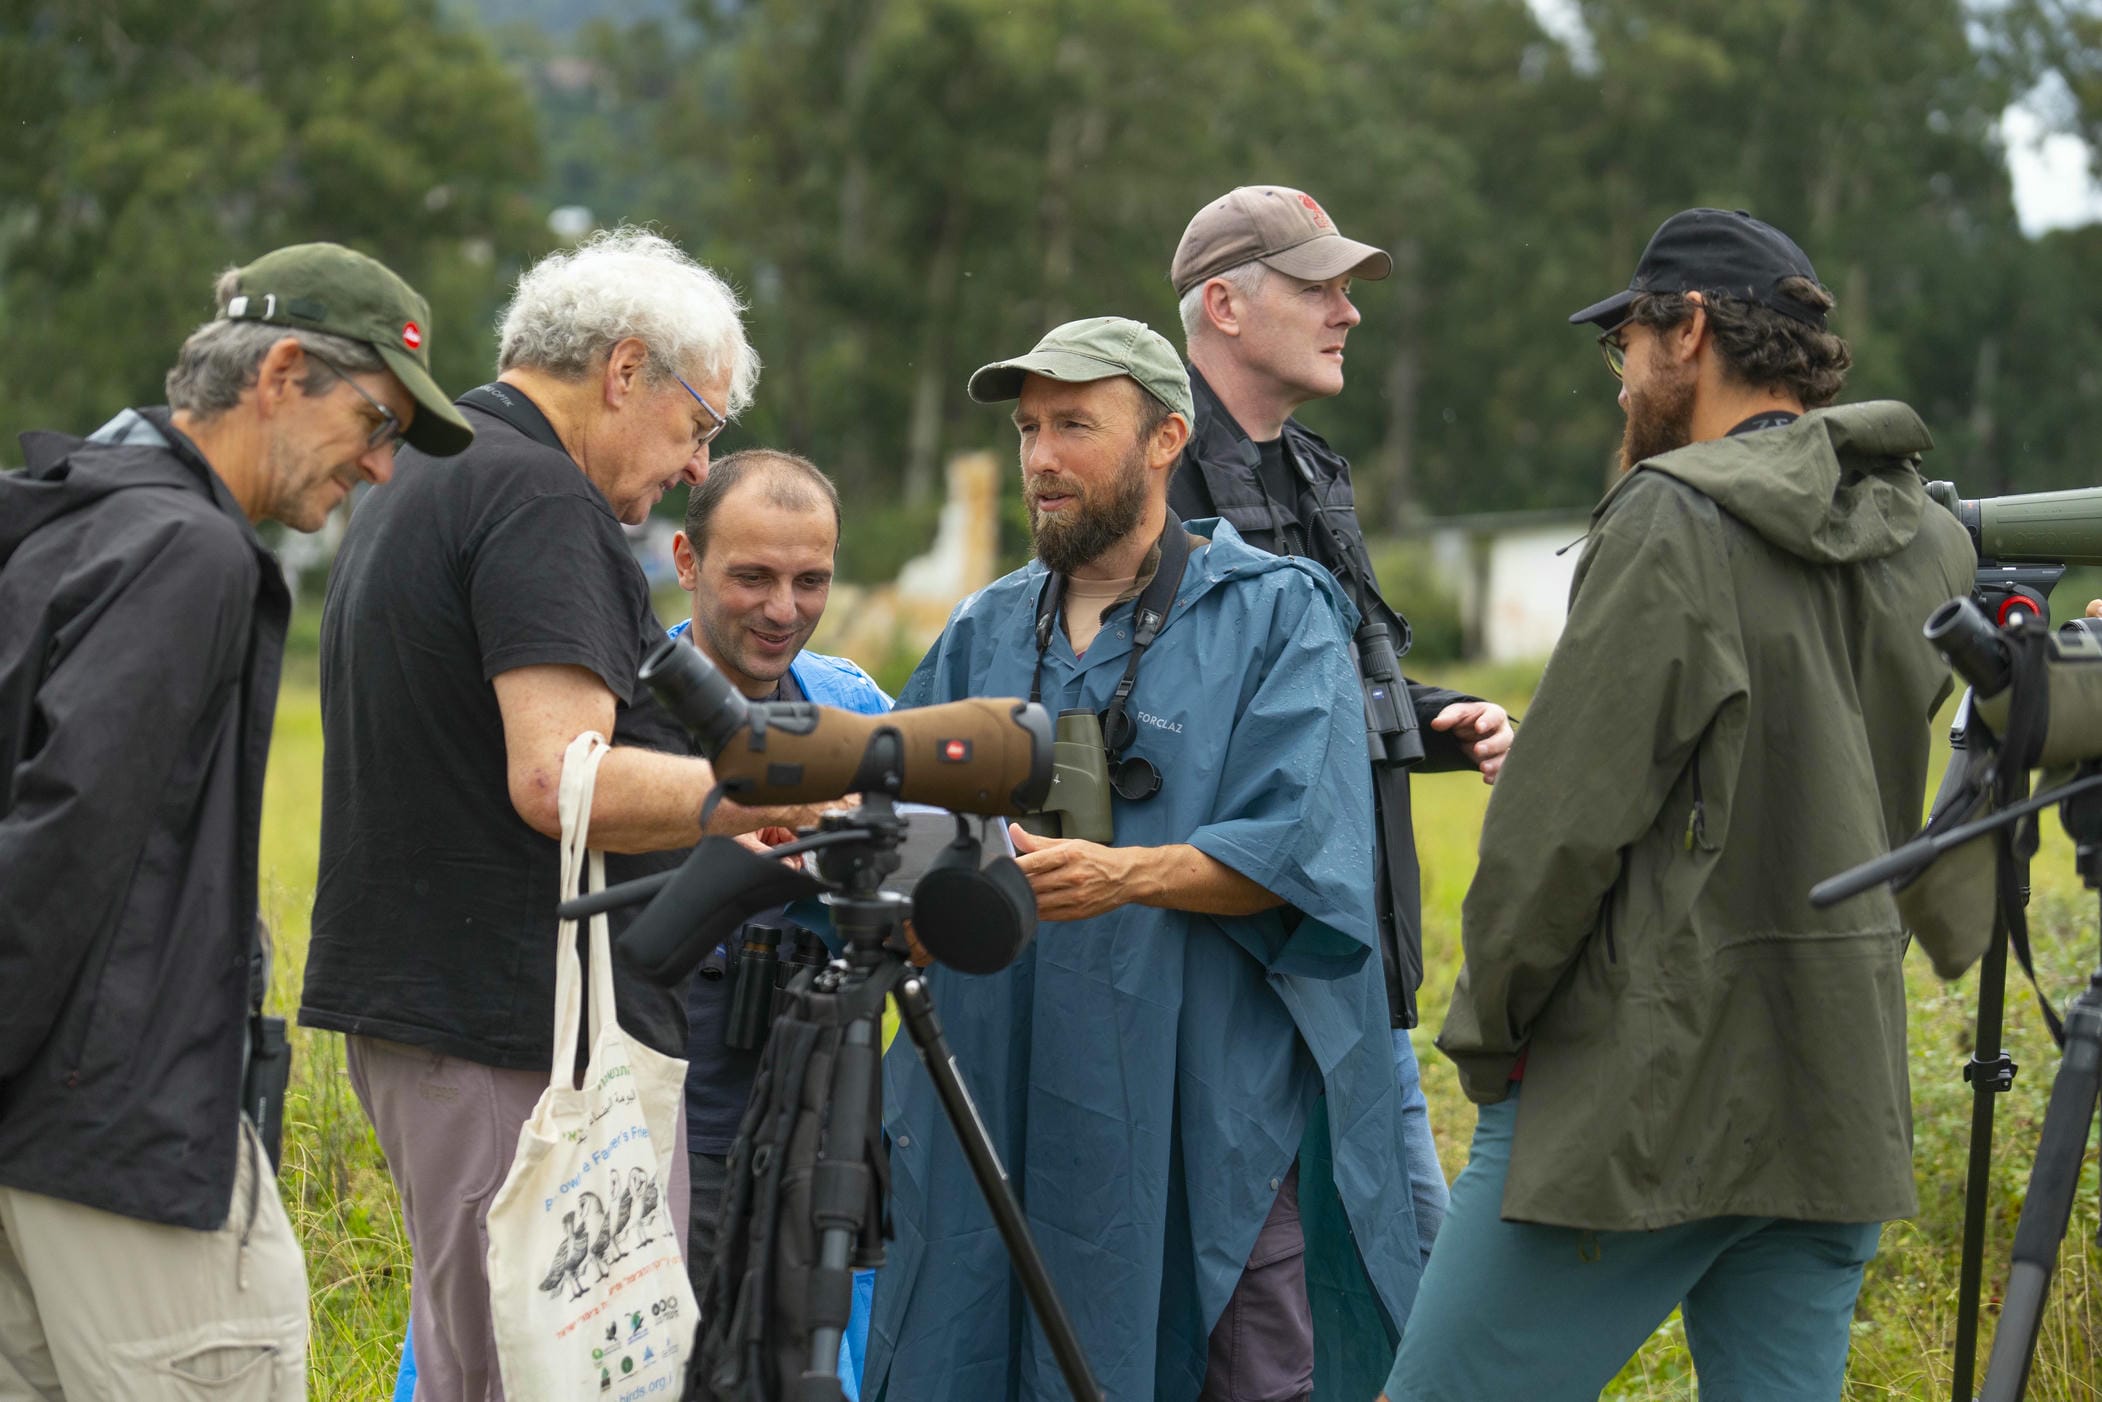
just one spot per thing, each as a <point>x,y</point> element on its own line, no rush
<point>1281,227</point>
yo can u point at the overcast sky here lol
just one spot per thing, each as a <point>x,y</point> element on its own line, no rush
<point>2054,181</point>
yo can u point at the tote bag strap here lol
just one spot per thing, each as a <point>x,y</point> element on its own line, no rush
<point>579,774</point>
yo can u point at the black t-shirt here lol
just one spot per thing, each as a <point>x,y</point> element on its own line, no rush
<point>1280,479</point>
<point>434,916</point>
<point>718,1076</point>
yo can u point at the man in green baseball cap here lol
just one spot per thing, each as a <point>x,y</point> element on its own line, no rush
<point>353,340</point>
<point>1205,994</point>
<point>142,627</point>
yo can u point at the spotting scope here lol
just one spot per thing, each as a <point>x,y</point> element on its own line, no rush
<point>2025,543</point>
<point>983,755</point>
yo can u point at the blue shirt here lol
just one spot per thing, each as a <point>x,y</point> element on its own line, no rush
<point>1148,1075</point>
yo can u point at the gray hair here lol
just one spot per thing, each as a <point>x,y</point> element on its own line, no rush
<point>222,358</point>
<point>1243,278</point>
<point>572,308</point>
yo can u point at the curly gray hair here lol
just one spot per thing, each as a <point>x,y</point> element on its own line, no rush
<point>573,307</point>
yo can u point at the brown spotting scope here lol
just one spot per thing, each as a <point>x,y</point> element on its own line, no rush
<point>984,755</point>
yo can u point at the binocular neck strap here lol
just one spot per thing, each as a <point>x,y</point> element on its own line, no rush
<point>1147,616</point>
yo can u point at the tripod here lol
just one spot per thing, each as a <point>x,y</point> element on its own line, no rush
<point>2056,1174</point>
<point>861,852</point>
<point>2054,1179</point>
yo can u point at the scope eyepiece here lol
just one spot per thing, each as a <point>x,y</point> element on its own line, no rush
<point>696,692</point>
<point>1962,633</point>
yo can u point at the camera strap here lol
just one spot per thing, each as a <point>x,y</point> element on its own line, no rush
<point>510,403</point>
<point>1137,779</point>
<point>2028,720</point>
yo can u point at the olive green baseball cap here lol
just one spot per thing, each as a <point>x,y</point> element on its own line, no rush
<point>327,287</point>
<point>1094,349</point>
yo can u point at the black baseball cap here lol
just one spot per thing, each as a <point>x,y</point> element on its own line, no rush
<point>1721,251</point>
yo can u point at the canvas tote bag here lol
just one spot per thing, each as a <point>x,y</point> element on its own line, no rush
<point>587,1277</point>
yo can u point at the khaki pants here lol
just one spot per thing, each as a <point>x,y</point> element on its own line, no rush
<point>95,1306</point>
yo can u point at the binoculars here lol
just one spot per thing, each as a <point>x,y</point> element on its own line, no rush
<point>1077,803</point>
<point>1391,734</point>
<point>758,964</point>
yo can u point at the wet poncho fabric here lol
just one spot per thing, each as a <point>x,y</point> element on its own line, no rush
<point>1148,1076</point>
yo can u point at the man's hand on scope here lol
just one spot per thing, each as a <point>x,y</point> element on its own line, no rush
<point>1073,879</point>
<point>766,839</point>
<point>2094,608</point>
<point>1483,729</point>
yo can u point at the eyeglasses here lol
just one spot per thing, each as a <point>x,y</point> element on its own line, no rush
<point>389,429</point>
<point>716,419</point>
<point>1614,349</point>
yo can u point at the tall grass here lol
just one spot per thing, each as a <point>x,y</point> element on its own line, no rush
<point>336,1186</point>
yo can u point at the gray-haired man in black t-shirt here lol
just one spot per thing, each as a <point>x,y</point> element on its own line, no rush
<point>482,613</point>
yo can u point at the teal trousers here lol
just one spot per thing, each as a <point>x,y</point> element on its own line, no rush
<point>1518,1310</point>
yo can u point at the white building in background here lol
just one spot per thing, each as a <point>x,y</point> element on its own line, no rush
<point>1511,572</point>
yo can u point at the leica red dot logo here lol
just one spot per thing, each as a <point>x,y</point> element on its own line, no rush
<point>412,335</point>
<point>956,752</point>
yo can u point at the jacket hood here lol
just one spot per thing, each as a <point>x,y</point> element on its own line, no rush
<point>64,473</point>
<point>1836,486</point>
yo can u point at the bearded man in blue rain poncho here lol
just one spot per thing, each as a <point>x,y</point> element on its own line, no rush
<point>1188,1075</point>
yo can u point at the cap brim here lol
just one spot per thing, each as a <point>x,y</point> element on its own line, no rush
<point>1002,380</point>
<point>438,428</point>
<point>1319,259</point>
<point>1608,313</point>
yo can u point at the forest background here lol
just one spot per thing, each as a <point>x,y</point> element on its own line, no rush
<point>907,188</point>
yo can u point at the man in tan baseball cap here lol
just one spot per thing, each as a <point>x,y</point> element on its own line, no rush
<point>1280,228</point>
<point>1264,279</point>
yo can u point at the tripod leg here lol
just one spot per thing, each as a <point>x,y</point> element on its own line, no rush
<point>1990,1072</point>
<point>2048,1210</point>
<point>839,1201</point>
<point>933,1048</point>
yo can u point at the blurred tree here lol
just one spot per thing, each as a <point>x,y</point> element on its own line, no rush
<point>146,146</point>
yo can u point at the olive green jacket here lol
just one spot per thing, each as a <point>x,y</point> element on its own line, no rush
<point>1739,706</point>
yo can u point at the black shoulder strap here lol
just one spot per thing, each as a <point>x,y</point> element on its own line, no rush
<point>1148,614</point>
<point>2028,720</point>
<point>511,404</point>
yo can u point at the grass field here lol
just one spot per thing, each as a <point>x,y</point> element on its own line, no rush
<point>336,1185</point>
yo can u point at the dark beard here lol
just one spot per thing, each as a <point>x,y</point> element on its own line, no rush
<point>1087,529</point>
<point>1659,421</point>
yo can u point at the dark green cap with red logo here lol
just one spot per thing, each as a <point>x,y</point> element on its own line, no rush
<point>327,287</point>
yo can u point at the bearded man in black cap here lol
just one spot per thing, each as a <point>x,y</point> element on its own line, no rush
<point>1715,1112</point>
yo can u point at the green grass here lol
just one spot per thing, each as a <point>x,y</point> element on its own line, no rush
<point>335,1181</point>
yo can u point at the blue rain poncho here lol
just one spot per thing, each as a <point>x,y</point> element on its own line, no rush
<point>1148,1076</point>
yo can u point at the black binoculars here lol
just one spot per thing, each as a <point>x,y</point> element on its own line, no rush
<point>1391,734</point>
<point>758,963</point>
